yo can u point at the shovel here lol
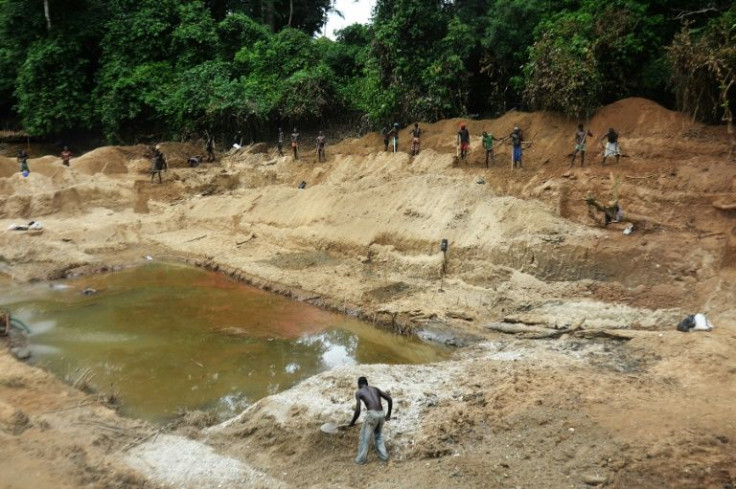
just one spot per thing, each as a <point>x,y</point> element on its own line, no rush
<point>332,428</point>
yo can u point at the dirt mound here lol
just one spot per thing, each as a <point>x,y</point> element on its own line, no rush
<point>108,160</point>
<point>639,117</point>
<point>8,166</point>
<point>178,154</point>
<point>551,134</point>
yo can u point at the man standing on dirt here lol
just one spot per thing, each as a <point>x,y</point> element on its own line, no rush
<point>209,147</point>
<point>517,140</point>
<point>580,136</point>
<point>415,133</point>
<point>66,156</point>
<point>23,162</point>
<point>295,143</point>
<point>393,135</point>
<point>611,148</point>
<point>374,419</point>
<point>488,146</point>
<point>384,133</point>
<point>159,163</point>
<point>280,142</point>
<point>463,140</point>
<point>321,142</point>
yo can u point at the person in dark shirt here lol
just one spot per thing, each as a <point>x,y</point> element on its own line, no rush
<point>611,148</point>
<point>210,148</point>
<point>66,156</point>
<point>159,163</point>
<point>23,162</point>
<point>463,141</point>
<point>393,135</point>
<point>517,142</point>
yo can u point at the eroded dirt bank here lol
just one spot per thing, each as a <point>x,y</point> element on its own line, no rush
<point>650,408</point>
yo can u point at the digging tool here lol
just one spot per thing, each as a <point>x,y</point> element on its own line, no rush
<point>332,428</point>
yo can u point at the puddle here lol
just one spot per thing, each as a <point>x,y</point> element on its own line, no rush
<point>170,337</point>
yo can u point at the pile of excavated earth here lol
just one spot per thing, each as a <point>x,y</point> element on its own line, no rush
<point>568,371</point>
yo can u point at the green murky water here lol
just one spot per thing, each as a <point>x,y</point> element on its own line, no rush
<point>169,337</point>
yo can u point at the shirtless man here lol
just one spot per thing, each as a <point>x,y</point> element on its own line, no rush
<point>374,418</point>
<point>416,134</point>
<point>321,142</point>
<point>280,142</point>
<point>295,143</point>
<point>580,136</point>
<point>463,141</point>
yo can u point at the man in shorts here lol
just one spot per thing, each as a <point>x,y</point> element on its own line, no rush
<point>321,142</point>
<point>463,140</point>
<point>580,136</point>
<point>517,140</point>
<point>374,419</point>
<point>159,163</point>
<point>488,146</point>
<point>210,148</point>
<point>611,148</point>
<point>23,162</point>
<point>295,143</point>
<point>280,142</point>
<point>415,133</point>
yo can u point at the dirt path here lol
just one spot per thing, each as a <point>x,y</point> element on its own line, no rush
<point>650,409</point>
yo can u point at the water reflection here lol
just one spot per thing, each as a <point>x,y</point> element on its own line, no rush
<point>172,337</point>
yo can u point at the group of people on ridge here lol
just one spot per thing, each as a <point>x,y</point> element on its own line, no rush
<point>390,137</point>
<point>516,138</point>
<point>320,144</point>
<point>611,147</point>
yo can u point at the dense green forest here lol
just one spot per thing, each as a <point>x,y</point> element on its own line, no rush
<point>136,69</point>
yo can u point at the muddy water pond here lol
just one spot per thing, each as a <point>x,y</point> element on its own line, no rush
<point>167,338</point>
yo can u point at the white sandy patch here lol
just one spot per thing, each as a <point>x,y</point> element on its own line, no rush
<point>186,464</point>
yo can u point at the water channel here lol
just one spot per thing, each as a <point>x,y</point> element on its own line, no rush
<point>168,337</point>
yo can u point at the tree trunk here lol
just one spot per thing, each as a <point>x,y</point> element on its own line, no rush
<point>47,13</point>
<point>291,11</point>
<point>267,14</point>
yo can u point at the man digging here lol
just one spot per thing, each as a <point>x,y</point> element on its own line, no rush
<point>373,421</point>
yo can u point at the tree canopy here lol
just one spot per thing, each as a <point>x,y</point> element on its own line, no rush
<point>131,69</point>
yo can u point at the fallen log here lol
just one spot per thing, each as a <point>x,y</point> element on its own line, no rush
<point>576,330</point>
<point>526,331</point>
<point>517,328</point>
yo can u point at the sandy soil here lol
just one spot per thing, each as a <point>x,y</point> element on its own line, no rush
<point>595,388</point>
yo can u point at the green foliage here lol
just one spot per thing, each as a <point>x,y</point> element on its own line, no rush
<point>594,54</point>
<point>52,89</point>
<point>505,39</point>
<point>175,67</point>
<point>703,70</point>
<point>129,98</point>
<point>238,31</point>
<point>562,74</point>
<point>285,76</point>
